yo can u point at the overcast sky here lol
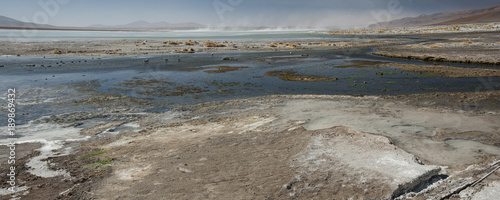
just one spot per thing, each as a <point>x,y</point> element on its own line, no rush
<point>312,13</point>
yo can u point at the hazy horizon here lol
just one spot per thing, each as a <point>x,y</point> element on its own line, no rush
<point>217,13</point>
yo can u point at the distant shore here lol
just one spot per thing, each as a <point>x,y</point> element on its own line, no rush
<point>87,29</point>
<point>150,47</point>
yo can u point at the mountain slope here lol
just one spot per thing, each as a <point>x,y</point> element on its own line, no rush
<point>9,23</point>
<point>489,17</point>
<point>6,22</point>
<point>469,16</point>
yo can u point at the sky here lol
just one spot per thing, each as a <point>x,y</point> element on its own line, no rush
<point>275,13</point>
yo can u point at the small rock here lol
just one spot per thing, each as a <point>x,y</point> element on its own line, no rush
<point>184,170</point>
<point>56,51</point>
<point>229,59</point>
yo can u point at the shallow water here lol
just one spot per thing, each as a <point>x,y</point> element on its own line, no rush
<point>255,36</point>
<point>38,87</point>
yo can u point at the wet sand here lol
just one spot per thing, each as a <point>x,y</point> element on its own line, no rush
<point>418,146</point>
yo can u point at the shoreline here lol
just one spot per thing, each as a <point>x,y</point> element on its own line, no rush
<point>272,146</point>
<point>124,47</point>
<point>259,117</point>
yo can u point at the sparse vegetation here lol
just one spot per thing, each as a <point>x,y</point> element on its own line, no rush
<point>213,44</point>
<point>56,51</point>
<point>99,165</point>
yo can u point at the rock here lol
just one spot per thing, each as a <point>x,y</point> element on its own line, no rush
<point>56,51</point>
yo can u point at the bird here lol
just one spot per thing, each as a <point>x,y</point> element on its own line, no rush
<point>166,60</point>
<point>178,59</point>
<point>146,60</point>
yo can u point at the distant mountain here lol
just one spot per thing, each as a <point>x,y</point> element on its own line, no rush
<point>144,25</point>
<point>9,23</point>
<point>6,22</point>
<point>469,16</point>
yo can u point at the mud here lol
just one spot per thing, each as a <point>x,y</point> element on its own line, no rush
<point>107,48</point>
<point>223,69</point>
<point>445,71</point>
<point>360,63</point>
<point>158,87</point>
<point>252,149</point>
<point>479,48</point>
<point>294,76</point>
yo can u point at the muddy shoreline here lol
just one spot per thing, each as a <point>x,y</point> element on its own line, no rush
<point>109,48</point>
<point>198,143</point>
<point>477,48</point>
<point>413,146</point>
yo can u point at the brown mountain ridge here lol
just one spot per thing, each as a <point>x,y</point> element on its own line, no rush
<point>469,16</point>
